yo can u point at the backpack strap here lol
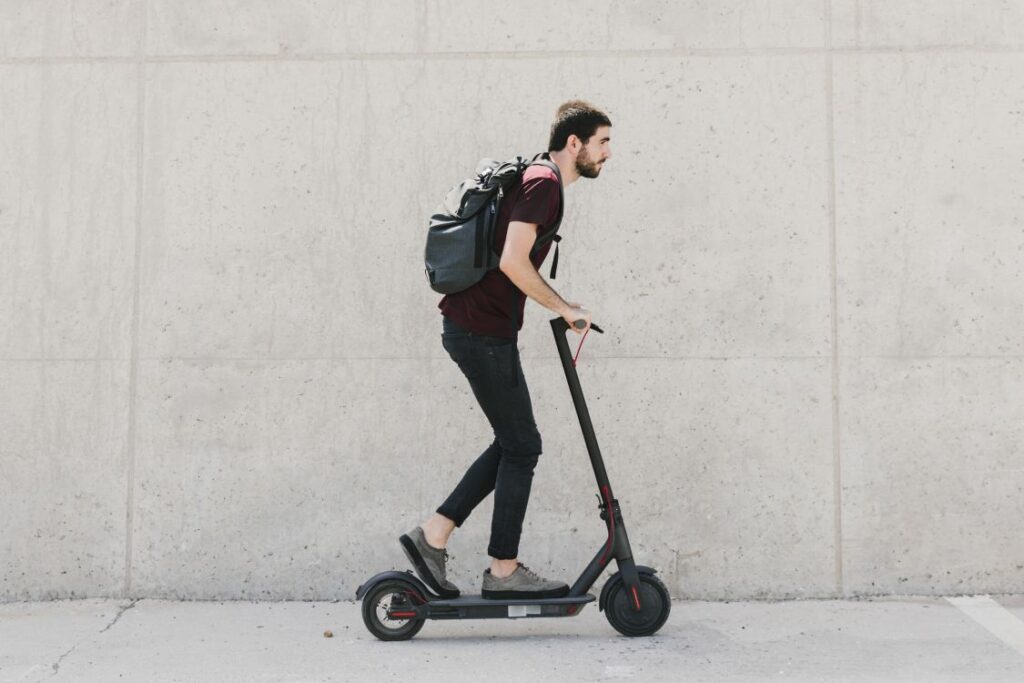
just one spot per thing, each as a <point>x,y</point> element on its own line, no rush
<point>544,159</point>
<point>554,261</point>
<point>551,235</point>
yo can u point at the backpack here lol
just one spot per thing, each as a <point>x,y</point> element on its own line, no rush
<point>460,237</point>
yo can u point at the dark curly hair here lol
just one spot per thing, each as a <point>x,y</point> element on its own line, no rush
<point>578,118</point>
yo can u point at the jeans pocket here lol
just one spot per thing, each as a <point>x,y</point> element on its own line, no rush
<point>450,342</point>
<point>460,351</point>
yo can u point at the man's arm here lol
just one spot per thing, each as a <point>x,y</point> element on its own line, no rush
<point>515,263</point>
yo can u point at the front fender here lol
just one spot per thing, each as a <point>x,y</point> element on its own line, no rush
<point>406,576</point>
<point>617,578</point>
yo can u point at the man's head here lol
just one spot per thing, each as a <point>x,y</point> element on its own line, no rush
<point>581,135</point>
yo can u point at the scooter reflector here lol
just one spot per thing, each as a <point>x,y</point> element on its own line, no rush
<point>522,610</point>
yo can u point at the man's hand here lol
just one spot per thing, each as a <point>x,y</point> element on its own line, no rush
<point>574,312</point>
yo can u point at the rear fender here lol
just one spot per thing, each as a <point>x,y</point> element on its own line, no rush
<point>407,576</point>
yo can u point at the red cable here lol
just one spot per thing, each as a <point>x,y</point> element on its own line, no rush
<point>580,347</point>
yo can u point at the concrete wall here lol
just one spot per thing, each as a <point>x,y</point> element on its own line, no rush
<point>221,370</point>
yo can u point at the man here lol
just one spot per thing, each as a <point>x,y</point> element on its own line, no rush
<point>479,331</point>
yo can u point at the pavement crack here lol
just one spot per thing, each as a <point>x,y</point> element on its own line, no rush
<point>56,665</point>
<point>124,608</point>
<point>117,616</point>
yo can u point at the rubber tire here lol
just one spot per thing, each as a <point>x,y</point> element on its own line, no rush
<point>655,605</point>
<point>373,623</point>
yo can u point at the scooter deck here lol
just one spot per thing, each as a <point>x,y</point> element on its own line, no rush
<point>479,600</point>
<point>479,607</point>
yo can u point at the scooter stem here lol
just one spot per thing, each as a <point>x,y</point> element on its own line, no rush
<point>559,327</point>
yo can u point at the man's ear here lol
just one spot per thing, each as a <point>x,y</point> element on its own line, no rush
<point>574,143</point>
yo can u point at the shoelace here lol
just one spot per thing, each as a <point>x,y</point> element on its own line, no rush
<point>529,571</point>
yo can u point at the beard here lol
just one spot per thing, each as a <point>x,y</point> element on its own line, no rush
<point>585,166</point>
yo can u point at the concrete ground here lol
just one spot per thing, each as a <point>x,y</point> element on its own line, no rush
<point>908,639</point>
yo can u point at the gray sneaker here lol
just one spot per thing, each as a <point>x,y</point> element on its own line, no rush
<point>521,584</point>
<point>429,562</point>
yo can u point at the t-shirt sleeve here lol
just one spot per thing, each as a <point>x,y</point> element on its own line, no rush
<point>538,202</point>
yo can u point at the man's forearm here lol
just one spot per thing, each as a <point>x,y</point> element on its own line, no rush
<point>529,281</point>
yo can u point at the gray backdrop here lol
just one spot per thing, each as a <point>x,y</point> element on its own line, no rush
<point>221,370</point>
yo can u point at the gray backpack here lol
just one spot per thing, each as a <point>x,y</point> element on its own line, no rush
<point>460,238</point>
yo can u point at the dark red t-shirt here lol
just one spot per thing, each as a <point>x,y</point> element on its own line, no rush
<point>486,307</point>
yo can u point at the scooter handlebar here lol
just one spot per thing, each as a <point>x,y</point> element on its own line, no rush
<point>581,323</point>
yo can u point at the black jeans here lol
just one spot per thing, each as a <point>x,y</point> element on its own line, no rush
<point>506,466</point>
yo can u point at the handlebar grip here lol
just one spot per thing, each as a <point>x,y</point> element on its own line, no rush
<point>580,324</point>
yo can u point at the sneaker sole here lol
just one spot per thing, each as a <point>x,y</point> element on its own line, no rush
<point>524,595</point>
<point>416,559</point>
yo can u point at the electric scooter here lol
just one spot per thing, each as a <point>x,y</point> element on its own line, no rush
<point>396,604</point>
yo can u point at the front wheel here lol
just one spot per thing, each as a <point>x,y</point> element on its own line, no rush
<point>382,597</point>
<point>655,604</point>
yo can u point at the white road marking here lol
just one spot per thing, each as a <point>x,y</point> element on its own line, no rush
<point>998,620</point>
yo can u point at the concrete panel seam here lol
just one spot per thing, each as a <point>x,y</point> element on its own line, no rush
<point>65,360</point>
<point>264,359</point>
<point>837,484</point>
<point>949,356</point>
<point>530,54</point>
<point>282,359</point>
<point>130,445</point>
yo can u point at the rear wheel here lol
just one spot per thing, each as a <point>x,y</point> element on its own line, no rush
<point>391,595</point>
<point>655,605</point>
